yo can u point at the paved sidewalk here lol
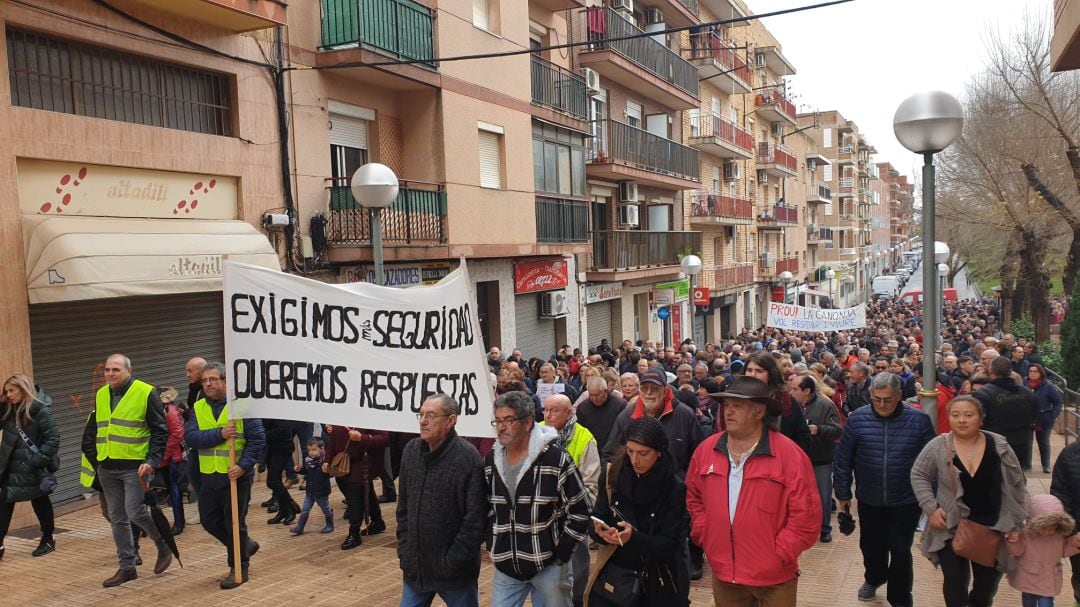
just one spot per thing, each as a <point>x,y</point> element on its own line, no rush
<point>312,570</point>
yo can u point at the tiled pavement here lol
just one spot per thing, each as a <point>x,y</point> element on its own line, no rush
<point>311,570</point>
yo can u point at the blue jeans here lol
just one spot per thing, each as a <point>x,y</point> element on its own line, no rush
<point>322,500</point>
<point>1031,600</point>
<point>552,587</point>
<point>823,475</point>
<point>462,597</point>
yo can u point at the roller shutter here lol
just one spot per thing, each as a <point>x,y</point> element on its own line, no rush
<point>71,340</point>
<point>598,324</point>
<point>535,335</point>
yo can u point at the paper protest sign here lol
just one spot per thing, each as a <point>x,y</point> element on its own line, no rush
<point>356,354</point>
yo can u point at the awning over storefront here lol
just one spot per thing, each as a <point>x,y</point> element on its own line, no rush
<point>75,258</point>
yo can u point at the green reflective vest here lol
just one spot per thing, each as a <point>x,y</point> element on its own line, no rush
<point>216,460</point>
<point>86,472</point>
<point>578,442</point>
<point>122,433</point>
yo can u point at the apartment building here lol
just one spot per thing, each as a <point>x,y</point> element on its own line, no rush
<point>1065,43</point>
<point>132,166</point>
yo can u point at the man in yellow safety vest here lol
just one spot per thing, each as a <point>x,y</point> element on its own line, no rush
<point>123,443</point>
<point>209,431</point>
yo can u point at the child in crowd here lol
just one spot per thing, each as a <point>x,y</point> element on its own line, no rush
<point>1039,547</point>
<point>318,486</point>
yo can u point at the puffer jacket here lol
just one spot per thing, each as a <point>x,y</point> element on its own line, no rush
<point>1050,403</point>
<point>1065,481</point>
<point>20,469</point>
<point>1038,563</point>
<point>880,451</point>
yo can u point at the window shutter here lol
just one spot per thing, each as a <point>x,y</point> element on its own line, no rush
<point>826,138</point>
<point>480,14</point>
<point>349,132</point>
<point>490,162</point>
<point>827,172</point>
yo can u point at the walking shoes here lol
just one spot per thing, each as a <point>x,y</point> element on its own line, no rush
<point>122,576</point>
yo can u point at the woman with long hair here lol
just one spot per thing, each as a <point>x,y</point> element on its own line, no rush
<point>762,366</point>
<point>29,443</point>
<point>1050,405</point>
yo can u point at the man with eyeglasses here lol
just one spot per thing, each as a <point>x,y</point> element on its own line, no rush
<point>441,511</point>
<point>124,442</point>
<point>879,446</point>
<point>538,508</point>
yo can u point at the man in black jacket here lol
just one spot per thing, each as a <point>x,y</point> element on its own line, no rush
<point>1011,409</point>
<point>858,389</point>
<point>441,510</point>
<point>1065,485</point>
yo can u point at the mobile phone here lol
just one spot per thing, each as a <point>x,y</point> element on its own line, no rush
<point>603,524</point>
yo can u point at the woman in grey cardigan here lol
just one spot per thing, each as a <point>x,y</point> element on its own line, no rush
<point>990,490</point>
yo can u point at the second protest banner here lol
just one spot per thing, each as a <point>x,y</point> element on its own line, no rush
<point>815,320</point>
<point>353,355</point>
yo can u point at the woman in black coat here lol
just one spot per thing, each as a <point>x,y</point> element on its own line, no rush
<point>23,407</point>
<point>646,523</point>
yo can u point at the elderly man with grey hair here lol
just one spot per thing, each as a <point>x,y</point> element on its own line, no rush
<point>599,411</point>
<point>878,447</point>
<point>858,386</point>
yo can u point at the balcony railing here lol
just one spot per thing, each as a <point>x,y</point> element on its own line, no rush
<point>629,249</point>
<point>400,28</point>
<point>776,99</point>
<point>847,183</point>
<point>818,191</point>
<point>602,24</point>
<point>559,89</point>
<point>780,213</point>
<point>561,220</point>
<point>711,45</point>
<point>774,153</point>
<point>790,264</point>
<point>710,204</point>
<point>708,124</point>
<point>644,150</point>
<point>417,216</point>
<point>814,234</point>
<point>848,251</point>
<point>734,276</point>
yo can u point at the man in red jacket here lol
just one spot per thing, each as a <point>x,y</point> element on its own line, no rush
<point>753,502</point>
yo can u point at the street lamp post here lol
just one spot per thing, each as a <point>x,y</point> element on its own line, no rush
<point>375,186</point>
<point>786,277</point>
<point>831,274</point>
<point>943,273</point>
<point>691,266</point>
<point>927,123</point>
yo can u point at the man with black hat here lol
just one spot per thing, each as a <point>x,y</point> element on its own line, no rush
<point>752,497</point>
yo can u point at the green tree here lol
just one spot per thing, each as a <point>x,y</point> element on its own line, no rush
<point>1070,340</point>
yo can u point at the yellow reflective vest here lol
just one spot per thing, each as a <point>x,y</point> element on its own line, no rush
<point>216,460</point>
<point>122,433</point>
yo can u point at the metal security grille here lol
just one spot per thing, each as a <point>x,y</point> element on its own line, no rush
<point>71,340</point>
<point>535,335</point>
<point>598,323</point>
<point>59,75</point>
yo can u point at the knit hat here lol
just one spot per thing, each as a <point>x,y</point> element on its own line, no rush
<point>647,430</point>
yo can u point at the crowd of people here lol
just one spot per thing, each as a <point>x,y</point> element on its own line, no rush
<point>617,473</point>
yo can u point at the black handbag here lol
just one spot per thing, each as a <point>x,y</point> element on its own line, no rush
<point>619,585</point>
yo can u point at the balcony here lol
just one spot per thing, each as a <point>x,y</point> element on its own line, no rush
<point>736,275</point>
<point>774,107</point>
<point>790,264</point>
<point>776,160</point>
<point>769,266</point>
<point>417,217</point>
<point>848,251</point>
<point>719,62</point>
<point>638,253</point>
<point>845,154</point>
<point>559,89</point>
<point>717,136</point>
<point>819,235</point>
<point>775,61</point>
<point>850,217</point>
<point>236,16</point>
<point>558,5</point>
<point>847,187</point>
<point>561,220</point>
<point>818,194</point>
<point>625,152</point>
<point>641,64</point>
<point>726,9</point>
<point>401,29</point>
<point>778,217</point>
<point>677,13</point>
<point>712,208</point>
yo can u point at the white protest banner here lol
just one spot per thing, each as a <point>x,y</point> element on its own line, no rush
<point>544,390</point>
<point>355,354</point>
<point>814,320</point>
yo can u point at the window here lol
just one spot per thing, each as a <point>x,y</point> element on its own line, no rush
<point>558,160</point>
<point>490,160</point>
<point>59,75</point>
<point>486,15</point>
<point>826,137</point>
<point>716,178</point>
<point>348,149</point>
<point>633,113</point>
<point>826,171</point>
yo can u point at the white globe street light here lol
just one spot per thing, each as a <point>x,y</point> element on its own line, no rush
<point>786,277</point>
<point>927,123</point>
<point>941,252</point>
<point>831,274</point>
<point>691,266</point>
<point>375,186</point>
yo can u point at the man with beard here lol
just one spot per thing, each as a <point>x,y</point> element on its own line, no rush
<point>599,412</point>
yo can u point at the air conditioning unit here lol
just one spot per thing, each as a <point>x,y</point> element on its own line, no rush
<point>762,176</point>
<point>628,191</point>
<point>626,6</point>
<point>628,215</point>
<point>653,16</point>
<point>592,80</point>
<point>554,304</point>
<point>811,164</point>
<point>732,171</point>
<point>777,129</point>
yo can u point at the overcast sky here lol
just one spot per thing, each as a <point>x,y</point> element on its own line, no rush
<point>864,57</point>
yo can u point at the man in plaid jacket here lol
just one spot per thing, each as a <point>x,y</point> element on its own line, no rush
<point>538,508</point>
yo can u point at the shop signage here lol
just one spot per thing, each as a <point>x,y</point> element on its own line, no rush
<point>701,296</point>
<point>663,297</point>
<point>602,291</point>
<point>398,275</point>
<point>727,300</point>
<point>681,288</point>
<point>48,187</point>
<point>777,293</point>
<point>536,276</point>
<point>676,325</point>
